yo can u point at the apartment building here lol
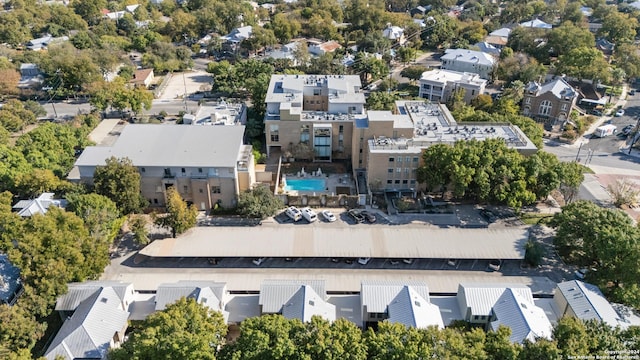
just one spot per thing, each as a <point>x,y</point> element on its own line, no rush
<point>463,60</point>
<point>438,85</point>
<point>208,165</point>
<point>314,110</point>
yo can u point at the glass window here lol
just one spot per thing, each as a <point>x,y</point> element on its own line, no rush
<point>398,170</point>
<point>397,182</point>
<point>415,160</point>
<point>391,159</point>
<point>304,134</point>
<point>389,182</point>
<point>390,171</point>
<point>200,170</point>
<point>185,188</point>
<point>215,189</point>
<point>545,108</point>
<point>405,182</point>
<point>143,169</point>
<point>275,133</point>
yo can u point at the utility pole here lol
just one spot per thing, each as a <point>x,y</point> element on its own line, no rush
<point>635,137</point>
<point>184,81</point>
<point>578,154</point>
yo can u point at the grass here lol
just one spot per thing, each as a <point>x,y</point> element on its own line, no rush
<point>535,218</point>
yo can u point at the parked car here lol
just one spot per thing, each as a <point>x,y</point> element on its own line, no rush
<point>407,261</point>
<point>259,261</point>
<point>356,215</point>
<point>349,260</point>
<point>369,216</point>
<point>488,215</point>
<point>632,92</point>
<point>364,261</point>
<point>293,213</point>
<point>309,214</point>
<point>494,265</point>
<point>328,216</point>
<point>394,261</point>
<point>627,130</point>
<point>619,113</point>
<point>452,262</point>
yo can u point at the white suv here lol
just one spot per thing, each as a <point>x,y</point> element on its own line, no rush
<point>293,213</point>
<point>309,215</point>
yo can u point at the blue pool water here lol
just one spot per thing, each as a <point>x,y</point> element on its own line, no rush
<point>305,185</point>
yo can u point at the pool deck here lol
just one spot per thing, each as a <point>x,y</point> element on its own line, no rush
<point>331,182</point>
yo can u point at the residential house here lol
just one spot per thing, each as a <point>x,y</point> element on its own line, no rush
<point>39,205</point>
<point>498,38</point>
<point>98,324</point>
<point>585,302</point>
<point>438,85</point>
<point>526,320</point>
<point>395,34</point>
<point>296,299</point>
<point>406,303</point>
<point>286,51</point>
<point>315,110</point>
<point>606,47</point>
<point>10,283</point>
<point>115,15</point>
<point>550,102</point>
<point>142,77</point>
<point>318,48</point>
<point>214,295</point>
<point>485,47</point>
<point>42,43</point>
<point>420,10</point>
<point>463,60</point>
<point>207,165</point>
<point>67,304</point>
<point>237,35</point>
<point>536,24</point>
<point>30,76</point>
<point>476,301</point>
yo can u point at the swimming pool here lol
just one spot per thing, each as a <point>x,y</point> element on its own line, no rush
<point>305,185</point>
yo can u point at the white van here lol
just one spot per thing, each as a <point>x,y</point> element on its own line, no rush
<point>309,215</point>
<point>293,213</point>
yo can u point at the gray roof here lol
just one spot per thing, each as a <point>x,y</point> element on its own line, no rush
<point>536,23</point>
<point>468,56</point>
<point>306,303</point>
<point>340,88</point>
<point>485,47</point>
<point>413,310</point>
<point>79,292</point>
<point>526,320</point>
<point>205,292</point>
<point>88,333</point>
<point>588,303</point>
<point>40,205</point>
<point>171,146</point>
<point>502,32</point>
<point>559,87</point>
<point>377,295</point>
<point>481,298</point>
<point>9,280</point>
<point>274,294</point>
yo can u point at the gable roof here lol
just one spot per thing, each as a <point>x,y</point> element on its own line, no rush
<point>79,292</point>
<point>412,310</point>
<point>526,320</point>
<point>88,333</point>
<point>276,293</point>
<point>502,32</point>
<point>39,205</point>
<point>480,298</point>
<point>587,302</point>
<point>536,23</point>
<point>468,56</point>
<point>559,87</point>
<point>377,295</point>
<point>239,34</point>
<point>207,292</point>
<point>485,47</point>
<point>306,303</point>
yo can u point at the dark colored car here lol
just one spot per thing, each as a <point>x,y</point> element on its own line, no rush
<point>488,215</point>
<point>356,215</point>
<point>370,217</point>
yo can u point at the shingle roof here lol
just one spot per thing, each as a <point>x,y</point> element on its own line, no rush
<point>306,303</point>
<point>377,295</point>
<point>526,320</point>
<point>276,293</point>
<point>171,146</point>
<point>480,298</point>
<point>78,292</point>
<point>413,310</point>
<point>588,303</point>
<point>88,333</point>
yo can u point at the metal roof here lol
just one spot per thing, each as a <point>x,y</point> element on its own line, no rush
<point>559,88</point>
<point>526,320</point>
<point>88,333</point>
<point>9,280</point>
<point>468,56</point>
<point>377,295</point>
<point>480,298</point>
<point>306,303</point>
<point>274,294</point>
<point>378,241</point>
<point>209,293</point>
<point>587,302</point>
<point>78,292</point>
<point>413,310</point>
<point>171,146</point>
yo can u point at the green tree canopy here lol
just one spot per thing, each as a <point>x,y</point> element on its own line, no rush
<point>184,330</point>
<point>259,202</point>
<point>119,180</point>
<point>100,215</point>
<point>179,217</point>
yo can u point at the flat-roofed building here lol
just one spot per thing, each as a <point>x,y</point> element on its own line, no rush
<point>439,85</point>
<point>205,164</point>
<point>314,110</point>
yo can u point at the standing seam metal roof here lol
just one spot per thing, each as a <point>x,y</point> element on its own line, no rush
<point>526,320</point>
<point>413,310</point>
<point>377,295</point>
<point>588,303</point>
<point>482,297</point>
<point>306,303</point>
<point>276,293</point>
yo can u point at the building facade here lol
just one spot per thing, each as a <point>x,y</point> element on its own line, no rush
<point>463,60</point>
<point>438,85</point>
<point>208,165</point>
<point>551,102</point>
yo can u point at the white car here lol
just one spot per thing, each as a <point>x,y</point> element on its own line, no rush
<point>364,261</point>
<point>293,213</point>
<point>309,214</point>
<point>259,261</point>
<point>620,112</point>
<point>328,215</point>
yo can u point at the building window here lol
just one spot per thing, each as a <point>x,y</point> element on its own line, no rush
<point>545,108</point>
<point>275,133</point>
<point>475,317</point>
<point>397,182</point>
<point>304,134</point>
<point>200,170</point>
<point>143,169</point>
<point>215,189</point>
<point>341,129</point>
<point>399,159</point>
<point>200,191</point>
<point>473,92</point>
<point>426,86</point>
<point>392,159</point>
<point>183,170</point>
<point>412,182</point>
<point>155,201</point>
<point>527,100</point>
<point>415,160</point>
<point>185,188</point>
<point>316,92</point>
<point>390,171</point>
<point>564,106</point>
<point>407,171</point>
<point>399,170</point>
<point>389,182</point>
<point>407,159</point>
<point>404,182</point>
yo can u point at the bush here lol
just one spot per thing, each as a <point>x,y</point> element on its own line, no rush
<point>533,253</point>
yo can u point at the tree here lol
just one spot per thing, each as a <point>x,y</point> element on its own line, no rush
<point>90,10</point>
<point>100,215</point>
<point>413,73</point>
<point>138,226</point>
<point>184,330</point>
<point>406,54</point>
<point>571,177</point>
<point>381,100</point>
<point>584,63</point>
<point>258,202</point>
<point>18,328</point>
<point>568,36</point>
<point>119,180</point>
<point>9,79</point>
<point>623,192</point>
<point>35,183</point>
<point>179,217</point>
<point>618,28</point>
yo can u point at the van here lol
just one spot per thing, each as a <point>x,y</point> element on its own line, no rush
<point>293,213</point>
<point>309,214</point>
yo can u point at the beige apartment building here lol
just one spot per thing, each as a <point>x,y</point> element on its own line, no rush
<point>314,113</point>
<point>208,165</point>
<point>438,85</point>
